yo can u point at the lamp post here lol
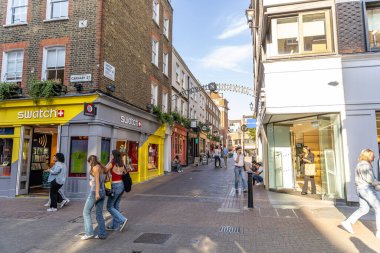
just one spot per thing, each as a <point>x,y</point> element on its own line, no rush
<point>251,106</point>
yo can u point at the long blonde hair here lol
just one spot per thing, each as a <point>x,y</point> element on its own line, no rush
<point>365,155</point>
<point>93,160</point>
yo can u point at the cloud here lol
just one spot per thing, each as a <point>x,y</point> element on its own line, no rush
<point>235,28</point>
<point>228,58</point>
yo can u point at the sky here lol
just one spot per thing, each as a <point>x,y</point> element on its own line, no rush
<point>213,38</point>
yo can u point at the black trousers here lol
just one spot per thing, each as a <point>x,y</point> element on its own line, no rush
<point>55,197</point>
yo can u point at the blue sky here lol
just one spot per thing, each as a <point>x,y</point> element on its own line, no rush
<point>214,40</point>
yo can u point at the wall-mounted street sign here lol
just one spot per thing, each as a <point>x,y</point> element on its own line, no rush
<point>244,128</point>
<point>109,71</point>
<point>193,123</point>
<point>80,78</point>
<point>204,128</point>
<point>89,109</point>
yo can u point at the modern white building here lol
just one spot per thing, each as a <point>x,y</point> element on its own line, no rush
<point>316,84</point>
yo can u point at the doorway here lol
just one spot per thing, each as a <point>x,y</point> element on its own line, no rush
<point>44,144</point>
<point>286,140</point>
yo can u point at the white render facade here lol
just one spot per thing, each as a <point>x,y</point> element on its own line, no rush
<point>316,68</point>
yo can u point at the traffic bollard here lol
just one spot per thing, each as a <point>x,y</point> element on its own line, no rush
<point>250,189</point>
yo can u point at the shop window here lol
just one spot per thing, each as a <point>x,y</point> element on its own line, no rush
<point>78,156</point>
<point>54,63</point>
<point>373,20</point>
<point>304,33</point>
<point>105,151</point>
<point>57,9</point>
<point>152,156</point>
<point>129,151</point>
<point>6,145</point>
<point>12,66</point>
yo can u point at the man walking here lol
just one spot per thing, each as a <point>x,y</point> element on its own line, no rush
<point>239,170</point>
<point>225,155</point>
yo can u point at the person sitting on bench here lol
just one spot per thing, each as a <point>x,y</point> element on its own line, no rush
<point>176,165</point>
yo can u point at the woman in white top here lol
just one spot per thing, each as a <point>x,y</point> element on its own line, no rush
<point>217,157</point>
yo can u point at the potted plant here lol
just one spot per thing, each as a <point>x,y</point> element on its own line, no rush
<point>46,89</point>
<point>9,90</point>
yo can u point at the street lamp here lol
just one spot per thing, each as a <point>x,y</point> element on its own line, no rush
<point>250,13</point>
<point>251,106</point>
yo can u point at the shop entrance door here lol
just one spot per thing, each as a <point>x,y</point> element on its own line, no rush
<point>24,160</point>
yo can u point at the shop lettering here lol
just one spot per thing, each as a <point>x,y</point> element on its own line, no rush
<point>130,121</point>
<point>41,114</point>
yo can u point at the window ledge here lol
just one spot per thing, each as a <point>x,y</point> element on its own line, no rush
<point>299,56</point>
<point>55,19</point>
<point>165,74</point>
<point>154,64</point>
<point>18,24</point>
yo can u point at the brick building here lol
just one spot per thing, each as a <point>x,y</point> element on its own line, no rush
<point>116,56</point>
<point>316,66</point>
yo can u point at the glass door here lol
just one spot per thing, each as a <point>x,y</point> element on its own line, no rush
<point>24,160</point>
<point>330,151</point>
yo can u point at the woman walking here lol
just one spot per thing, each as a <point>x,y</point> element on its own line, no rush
<point>117,169</point>
<point>95,198</point>
<point>57,178</point>
<point>365,186</point>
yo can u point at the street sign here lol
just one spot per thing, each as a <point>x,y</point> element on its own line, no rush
<point>244,128</point>
<point>251,123</point>
<point>89,109</point>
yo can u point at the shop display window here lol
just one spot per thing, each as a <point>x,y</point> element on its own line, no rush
<point>129,151</point>
<point>78,156</point>
<point>152,156</point>
<point>6,145</point>
<point>105,151</point>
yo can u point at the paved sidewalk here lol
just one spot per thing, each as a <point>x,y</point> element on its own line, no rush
<point>195,211</point>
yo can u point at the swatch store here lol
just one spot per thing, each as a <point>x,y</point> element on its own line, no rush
<point>31,134</point>
<point>286,139</point>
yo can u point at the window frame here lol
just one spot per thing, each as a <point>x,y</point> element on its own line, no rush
<point>165,102</point>
<point>166,27</point>
<point>10,13</point>
<point>301,51</point>
<point>367,4</point>
<point>165,64</point>
<point>156,12</point>
<point>177,72</point>
<point>154,94</point>
<point>5,63</point>
<point>49,10</point>
<point>155,46</point>
<point>44,61</point>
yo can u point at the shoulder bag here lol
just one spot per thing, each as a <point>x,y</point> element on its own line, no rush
<point>309,169</point>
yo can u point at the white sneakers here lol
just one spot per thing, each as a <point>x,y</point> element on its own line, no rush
<point>259,183</point>
<point>348,227</point>
<point>52,209</point>
<point>86,237</point>
<point>64,202</point>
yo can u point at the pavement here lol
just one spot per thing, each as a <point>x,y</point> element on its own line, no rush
<point>194,211</point>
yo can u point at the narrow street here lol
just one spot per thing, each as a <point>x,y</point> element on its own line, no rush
<point>193,211</point>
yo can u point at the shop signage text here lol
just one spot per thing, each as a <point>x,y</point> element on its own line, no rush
<point>41,114</point>
<point>130,121</point>
<point>80,78</point>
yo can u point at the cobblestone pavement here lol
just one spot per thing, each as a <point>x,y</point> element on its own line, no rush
<point>195,211</point>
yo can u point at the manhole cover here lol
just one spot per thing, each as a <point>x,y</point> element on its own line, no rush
<point>229,230</point>
<point>152,238</point>
<point>196,171</point>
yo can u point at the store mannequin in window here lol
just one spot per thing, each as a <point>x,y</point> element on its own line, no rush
<point>307,158</point>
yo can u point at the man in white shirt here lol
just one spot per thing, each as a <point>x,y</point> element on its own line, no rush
<point>239,170</point>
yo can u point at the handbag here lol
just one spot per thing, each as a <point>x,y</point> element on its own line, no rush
<point>127,180</point>
<point>309,169</point>
<point>108,186</point>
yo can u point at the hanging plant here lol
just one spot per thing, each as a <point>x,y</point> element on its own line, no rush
<point>44,89</point>
<point>168,118</point>
<point>9,90</point>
